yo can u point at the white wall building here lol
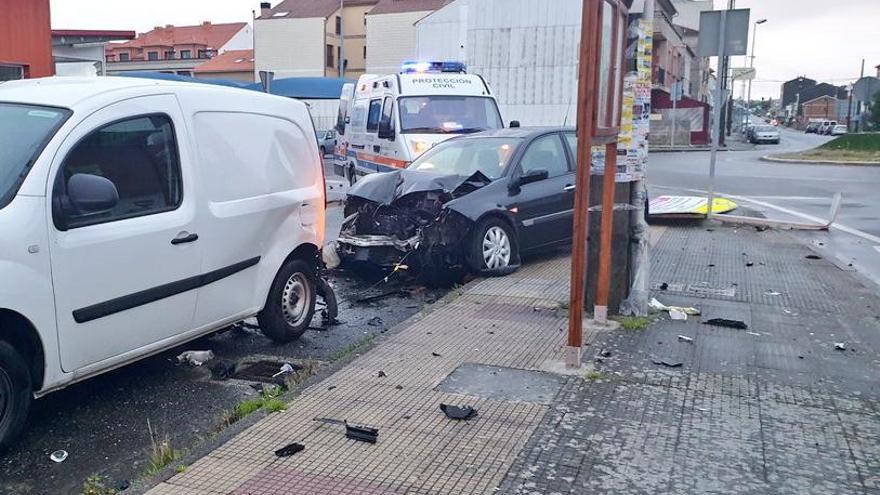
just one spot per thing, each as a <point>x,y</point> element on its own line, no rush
<point>526,50</point>
<point>391,33</point>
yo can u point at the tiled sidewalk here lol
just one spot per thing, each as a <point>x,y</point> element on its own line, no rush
<point>510,322</point>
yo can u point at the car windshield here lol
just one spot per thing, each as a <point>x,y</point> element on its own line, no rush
<point>765,128</point>
<point>24,131</point>
<point>448,114</point>
<point>466,156</point>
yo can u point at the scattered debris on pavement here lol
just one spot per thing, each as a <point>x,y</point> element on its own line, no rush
<point>327,298</point>
<point>222,370</point>
<point>435,354</point>
<point>359,433</point>
<point>756,334</point>
<point>813,257</point>
<point>666,362</point>
<point>375,321</point>
<point>458,412</point>
<point>664,286</point>
<point>290,449</point>
<point>58,456</point>
<point>381,295</point>
<point>685,338</point>
<point>286,369</point>
<point>840,346</point>
<point>771,292</point>
<point>381,374</point>
<point>195,358</point>
<point>750,263</point>
<point>727,322</point>
<point>675,312</point>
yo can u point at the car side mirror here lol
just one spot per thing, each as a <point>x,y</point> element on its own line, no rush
<point>92,193</point>
<point>533,175</point>
<point>385,130</point>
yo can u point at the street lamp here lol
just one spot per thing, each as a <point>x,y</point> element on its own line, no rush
<point>752,65</point>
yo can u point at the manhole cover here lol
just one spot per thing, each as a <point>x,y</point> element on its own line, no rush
<point>261,371</point>
<point>495,382</point>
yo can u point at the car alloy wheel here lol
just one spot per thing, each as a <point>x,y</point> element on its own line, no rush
<point>295,301</point>
<point>496,248</point>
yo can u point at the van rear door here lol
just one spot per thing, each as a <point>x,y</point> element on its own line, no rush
<point>128,276</point>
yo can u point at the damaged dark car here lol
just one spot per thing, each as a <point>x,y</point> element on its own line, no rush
<point>475,202</point>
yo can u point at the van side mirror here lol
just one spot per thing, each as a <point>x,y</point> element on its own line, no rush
<point>92,193</point>
<point>385,130</point>
<point>514,124</point>
<point>533,175</point>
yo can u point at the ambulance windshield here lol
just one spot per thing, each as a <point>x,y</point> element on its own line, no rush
<point>448,114</point>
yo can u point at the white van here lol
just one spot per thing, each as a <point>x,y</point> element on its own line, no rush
<point>136,215</point>
<point>386,122</point>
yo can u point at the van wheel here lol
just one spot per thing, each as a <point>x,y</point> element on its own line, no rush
<point>493,248</point>
<point>15,394</point>
<point>291,302</point>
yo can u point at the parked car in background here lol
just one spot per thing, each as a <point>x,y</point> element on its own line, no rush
<point>812,127</point>
<point>838,130</point>
<point>826,126</point>
<point>764,134</point>
<point>472,202</point>
<point>138,215</point>
<point>326,141</point>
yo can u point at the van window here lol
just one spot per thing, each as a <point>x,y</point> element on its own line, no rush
<point>387,110</point>
<point>139,155</point>
<point>341,115</point>
<point>375,113</point>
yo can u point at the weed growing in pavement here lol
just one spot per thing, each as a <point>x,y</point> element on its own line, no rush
<point>181,468</point>
<point>268,400</point>
<point>594,375</point>
<point>309,368</point>
<point>633,322</point>
<point>563,305</point>
<point>162,453</point>
<point>97,485</point>
<point>274,405</point>
<point>353,348</point>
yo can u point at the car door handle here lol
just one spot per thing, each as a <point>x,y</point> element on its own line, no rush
<point>569,187</point>
<point>184,237</point>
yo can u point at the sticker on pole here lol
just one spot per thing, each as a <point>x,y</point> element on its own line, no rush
<point>687,206</point>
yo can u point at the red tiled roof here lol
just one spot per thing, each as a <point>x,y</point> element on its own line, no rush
<point>400,6</point>
<point>229,61</point>
<point>207,34</point>
<point>303,9</point>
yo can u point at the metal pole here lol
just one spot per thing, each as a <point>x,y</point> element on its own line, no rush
<point>586,115</point>
<point>719,125</point>
<point>341,39</point>
<point>751,66</point>
<point>674,107</point>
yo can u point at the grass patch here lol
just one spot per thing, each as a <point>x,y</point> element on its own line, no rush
<point>864,147</point>
<point>353,348</point>
<point>868,141</point>
<point>594,375</point>
<point>268,400</point>
<point>97,485</point>
<point>275,405</point>
<point>162,453</point>
<point>181,468</point>
<point>633,322</point>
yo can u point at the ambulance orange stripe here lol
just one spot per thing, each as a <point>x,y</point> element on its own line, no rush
<point>382,160</point>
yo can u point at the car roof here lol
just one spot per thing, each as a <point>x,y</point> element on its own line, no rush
<point>70,92</point>
<point>518,132</point>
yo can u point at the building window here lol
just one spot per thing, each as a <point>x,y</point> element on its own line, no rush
<point>338,25</point>
<point>123,57</point>
<point>331,61</point>
<point>11,72</point>
<point>169,55</point>
<point>205,53</point>
<point>152,55</point>
<point>185,54</point>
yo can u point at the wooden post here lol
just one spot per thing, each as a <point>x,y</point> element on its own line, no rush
<point>586,119</point>
<point>603,285</point>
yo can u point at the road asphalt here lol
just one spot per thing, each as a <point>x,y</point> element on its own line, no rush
<point>787,191</point>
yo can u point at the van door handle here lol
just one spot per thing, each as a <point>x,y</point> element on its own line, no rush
<point>184,237</point>
<point>570,187</point>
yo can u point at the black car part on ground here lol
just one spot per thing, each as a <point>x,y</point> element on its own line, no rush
<point>405,213</point>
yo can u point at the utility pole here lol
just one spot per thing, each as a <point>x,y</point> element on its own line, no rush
<point>341,39</point>
<point>752,62</point>
<point>719,123</point>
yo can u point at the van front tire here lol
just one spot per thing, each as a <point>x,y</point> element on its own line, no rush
<point>290,304</point>
<point>16,394</point>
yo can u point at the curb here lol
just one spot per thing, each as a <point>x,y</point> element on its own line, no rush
<point>769,158</point>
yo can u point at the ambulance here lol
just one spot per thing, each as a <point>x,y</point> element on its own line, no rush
<point>386,122</point>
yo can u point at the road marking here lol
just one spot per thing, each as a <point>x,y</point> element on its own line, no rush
<point>792,198</point>
<point>811,218</point>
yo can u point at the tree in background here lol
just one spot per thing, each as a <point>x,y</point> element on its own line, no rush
<point>874,112</point>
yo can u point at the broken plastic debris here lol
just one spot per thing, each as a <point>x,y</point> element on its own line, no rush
<point>435,354</point>
<point>677,314</point>
<point>685,338</point>
<point>374,321</point>
<point>756,334</point>
<point>381,374</point>
<point>286,369</point>
<point>666,362</point>
<point>58,456</point>
<point>290,449</point>
<point>813,257</point>
<point>331,256</point>
<point>771,292</point>
<point>725,322</point>
<point>195,358</point>
<point>458,412</point>
<point>359,433</point>
<point>840,346</point>
<point>658,306</point>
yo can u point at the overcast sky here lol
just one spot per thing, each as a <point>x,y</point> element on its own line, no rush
<point>822,39</point>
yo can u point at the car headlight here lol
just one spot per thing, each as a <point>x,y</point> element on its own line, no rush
<point>418,146</point>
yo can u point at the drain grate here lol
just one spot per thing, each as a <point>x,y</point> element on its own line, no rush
<point>261,371</point>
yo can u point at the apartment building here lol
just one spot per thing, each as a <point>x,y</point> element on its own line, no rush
<point>178,49</point>
<point>392,33</point>
<point>25,39</point>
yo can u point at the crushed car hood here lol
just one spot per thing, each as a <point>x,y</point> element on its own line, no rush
<point>385,188</point>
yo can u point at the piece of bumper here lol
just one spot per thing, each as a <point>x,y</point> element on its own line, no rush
<point>382,250</point>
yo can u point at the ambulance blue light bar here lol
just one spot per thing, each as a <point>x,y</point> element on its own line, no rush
<point>411,67</point>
